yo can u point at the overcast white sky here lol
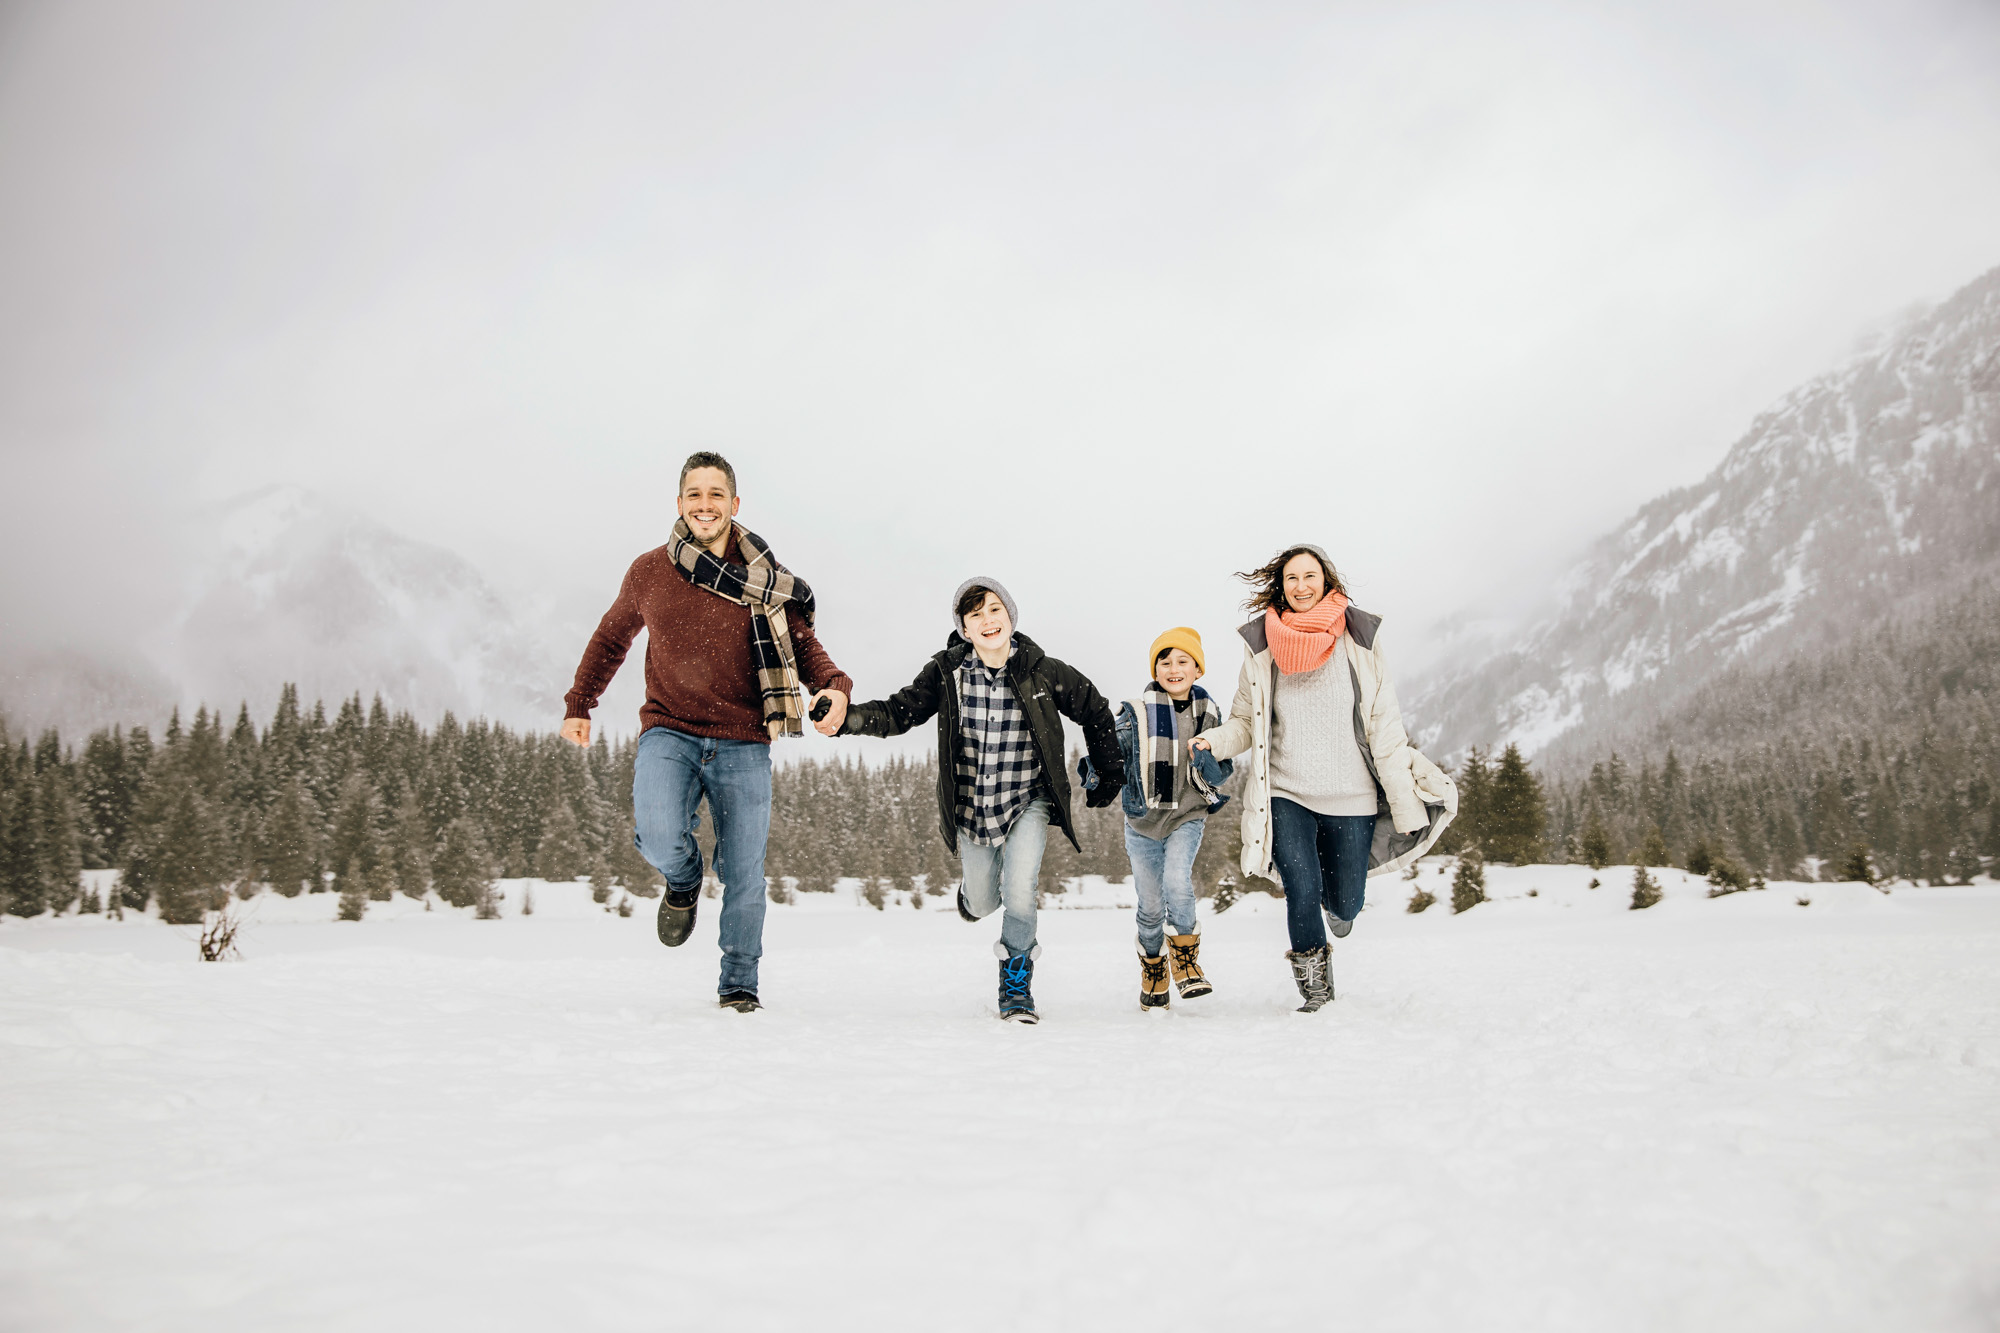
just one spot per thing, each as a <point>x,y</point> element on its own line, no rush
<point>1107,300</point>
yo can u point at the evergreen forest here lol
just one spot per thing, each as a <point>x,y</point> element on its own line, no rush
<point>1875,759</point>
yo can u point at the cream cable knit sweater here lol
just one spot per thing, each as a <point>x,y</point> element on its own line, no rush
<point>1315,760</point>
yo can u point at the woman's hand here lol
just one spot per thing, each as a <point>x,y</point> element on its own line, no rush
<point>1198,743</point>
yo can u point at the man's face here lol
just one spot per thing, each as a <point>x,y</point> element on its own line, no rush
<point>987,624</point>
<point>1176,672</point>
<point>707,504</point>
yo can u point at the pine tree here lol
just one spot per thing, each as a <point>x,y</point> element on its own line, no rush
<point>561,856</point>
<point>1645,889</point>
<point>1859,864</point>
<point>1468,885</point>
<point>1653,850</point>
<point>354,891</point>
<point>410,845</point>
<point>356,846</point>
<point>462,871</point>
<point>291,841</point>
<point>1596,843</point>
<point>1475,785</point>
<point>1517,811</point>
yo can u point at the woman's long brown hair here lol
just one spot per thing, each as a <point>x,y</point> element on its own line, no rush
<point>1267,582</point>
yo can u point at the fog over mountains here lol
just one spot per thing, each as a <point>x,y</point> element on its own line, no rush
<point>282,585</point>
<point>1868,490</point>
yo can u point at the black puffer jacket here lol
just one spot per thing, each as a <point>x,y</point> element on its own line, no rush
<point>1045,686</point>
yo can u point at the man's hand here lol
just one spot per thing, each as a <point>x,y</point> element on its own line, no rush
<point>1198,743</point>
<point>576,730</point>
<point>836,713</point>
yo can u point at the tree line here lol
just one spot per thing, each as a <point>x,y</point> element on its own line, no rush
<point>1876,758</point>
<point>366,803</point>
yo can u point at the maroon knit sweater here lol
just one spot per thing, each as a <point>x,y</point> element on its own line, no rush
<point>700,677</point>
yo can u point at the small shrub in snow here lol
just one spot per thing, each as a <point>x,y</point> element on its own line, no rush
<point>527,900</point>
<point>1468,886</point>
<point>1726,877</point>
<point>777,893</point>
<point>1593,882</point>
<point>600,890</point>
<point>872,894</point>
<point>1226,893</point>
<point>1859,865</point>
<point>486,907</point>
<point>218,935</point>
<point>1700,859</point>
<point>1420,900</point>
<point>1803,901</point>
<point>1534,893</point>
<point>1645,889</point>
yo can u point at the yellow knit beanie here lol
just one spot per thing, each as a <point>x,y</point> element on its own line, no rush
<point>1183,638</point>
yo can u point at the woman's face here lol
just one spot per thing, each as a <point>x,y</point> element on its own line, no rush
<point>1304,581</point>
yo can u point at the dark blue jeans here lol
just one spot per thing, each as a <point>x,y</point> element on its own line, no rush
<point>1322,859</point>
<point>672,773</point>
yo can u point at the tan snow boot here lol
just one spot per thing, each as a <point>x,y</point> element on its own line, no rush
<point>1153,992</point>
<point>1183,952</point>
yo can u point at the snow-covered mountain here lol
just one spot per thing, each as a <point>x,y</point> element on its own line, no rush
<point>286,586</point>
<point>1873,485</point>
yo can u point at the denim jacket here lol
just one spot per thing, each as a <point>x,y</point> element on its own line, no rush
<point>1133,799</point>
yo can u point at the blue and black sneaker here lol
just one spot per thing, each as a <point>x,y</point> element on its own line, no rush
<point>1017,1001</point>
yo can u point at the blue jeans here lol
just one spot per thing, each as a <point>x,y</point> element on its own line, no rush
<point>1163,873</point>
<point>1323,859</point>
<point>672,773</point>
<point>1005,873</point>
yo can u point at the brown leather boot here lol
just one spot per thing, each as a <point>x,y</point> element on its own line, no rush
<point>1153,993</point>
<point>1183,952</point>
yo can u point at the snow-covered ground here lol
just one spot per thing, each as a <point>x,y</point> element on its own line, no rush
<point>1548,1113</point>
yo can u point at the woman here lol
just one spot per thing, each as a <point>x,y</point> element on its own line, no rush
<point>1001,780</point>
<point>1336,791</point>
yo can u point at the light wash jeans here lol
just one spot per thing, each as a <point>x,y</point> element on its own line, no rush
<point>1006,873</point>
<point>672,773</point>
<point>1163,873</point>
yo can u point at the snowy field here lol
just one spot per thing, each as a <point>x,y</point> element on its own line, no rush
<point>1549,1113</point>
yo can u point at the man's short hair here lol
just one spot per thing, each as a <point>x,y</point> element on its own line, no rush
<point>974,598</point>
<point>707,458</point>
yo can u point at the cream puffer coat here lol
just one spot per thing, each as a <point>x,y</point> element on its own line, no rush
<point>1415,799</point>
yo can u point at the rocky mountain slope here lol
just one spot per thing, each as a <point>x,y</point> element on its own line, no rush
<point>1870,488</point>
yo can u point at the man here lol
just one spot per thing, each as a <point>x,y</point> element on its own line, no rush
<point>729,637</point>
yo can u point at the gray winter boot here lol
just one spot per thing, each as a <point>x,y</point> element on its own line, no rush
<point>1313,971</point>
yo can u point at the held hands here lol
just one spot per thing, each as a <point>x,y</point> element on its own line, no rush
<point>836,713</point>
<point>1198,743</point>
<point>576,730</point>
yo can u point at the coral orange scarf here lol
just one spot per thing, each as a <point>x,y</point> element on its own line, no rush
<point>1304,640</point>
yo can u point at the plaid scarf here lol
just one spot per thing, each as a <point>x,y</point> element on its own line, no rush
<point>763,585</point>
<point>1161,752</point>
<point>997,768</point>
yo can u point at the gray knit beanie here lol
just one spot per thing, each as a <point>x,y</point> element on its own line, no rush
<point>991,585</point>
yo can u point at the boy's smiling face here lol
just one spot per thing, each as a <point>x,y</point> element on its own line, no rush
<point>1176,673</point>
